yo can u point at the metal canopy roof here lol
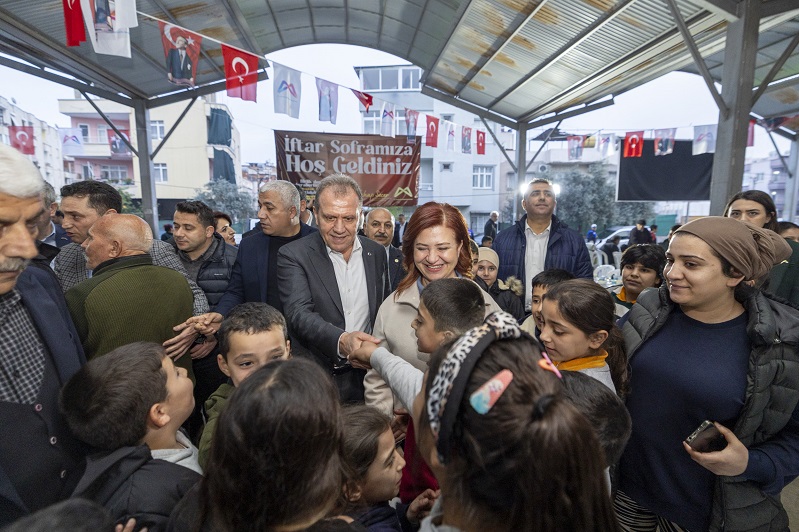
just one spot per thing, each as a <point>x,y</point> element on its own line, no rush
<point>511,60</point>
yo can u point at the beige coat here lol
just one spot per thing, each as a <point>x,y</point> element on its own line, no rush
<point>393,327</point>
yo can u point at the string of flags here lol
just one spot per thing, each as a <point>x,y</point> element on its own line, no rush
<point>704,141</point>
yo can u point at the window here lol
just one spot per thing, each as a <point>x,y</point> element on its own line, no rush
<point>88,172</point>
<point>425,181</point>
<point>447,118</point>
<point>159,172</point>
<point>446,167</point>
<point>478,221</point>
<point>113,173</point>
<point>2,116</point>
<point>371,80</point>
<point>483,177</point>
<point>389,79</point>
<point>371,122</point>
<point>410,78</point>
<point>400,123</point>
<point>84,131</point>
<point>102,133</point>
<point>157,130</point>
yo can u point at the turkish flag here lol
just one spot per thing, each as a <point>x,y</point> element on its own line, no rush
<point>241,73</point>
<point>481,142</point>
<point>22,139</point>
<point>170,40</point>
<point>365,99</point>
<point>431,139</point>
<point>73,20</point>
<point>634,144</point>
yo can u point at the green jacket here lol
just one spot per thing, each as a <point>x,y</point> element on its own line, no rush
<point>213,407</point>
<point>129,300</point>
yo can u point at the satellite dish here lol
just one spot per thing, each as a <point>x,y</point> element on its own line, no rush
<point>543,168</point>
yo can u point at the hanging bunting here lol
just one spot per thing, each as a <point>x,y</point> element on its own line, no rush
<point>634,144</point>
<point>287,90</point>
<point>125,14</point>
<point>22,139</point>
<point>387,120</point>
<point>466,140</point>
<point>481,142</point>
<point>365,99</point>
<point>73,20</point>
<point>575,145</point>
<point>450,136</point>
<point>664,141</point>
<point>181,52</point>
<point>589,141</point>
<point>704,139</point>
<point>327,91</point>
<point>106,37</point>
<point>607,145</point>
<point>71,141</point>
<point>431,137</point>
<point>411,119</point>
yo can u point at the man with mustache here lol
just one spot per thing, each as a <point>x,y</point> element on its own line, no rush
<point>539,241</point>
<point>379,227</point>
<point>40,461</point>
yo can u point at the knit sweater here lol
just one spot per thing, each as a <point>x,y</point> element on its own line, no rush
<point>129,300</point>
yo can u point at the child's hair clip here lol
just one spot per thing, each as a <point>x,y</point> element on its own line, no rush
<point>484,398</point>
<point>546,363</point>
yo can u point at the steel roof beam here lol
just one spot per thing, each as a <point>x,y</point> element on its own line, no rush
<point>242,26</point>
<point>467,106</point>
<point>558,117</point>
<point>277,24</point>
<point>775,69</point>
<point>777,7</point>
<point>726,8</point>
<point>458,20</point>
<point>182,95</point>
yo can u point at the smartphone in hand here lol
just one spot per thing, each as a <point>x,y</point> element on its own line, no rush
<point>706,438</point>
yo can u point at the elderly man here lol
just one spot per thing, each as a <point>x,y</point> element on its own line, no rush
<point>540,241</point>
<point>127,299</point>
<point>332,284</point>
<point>40,461</point>
<point>490,229</point>
<point>379,227</point>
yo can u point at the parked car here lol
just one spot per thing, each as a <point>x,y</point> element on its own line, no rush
<point>622,231</point>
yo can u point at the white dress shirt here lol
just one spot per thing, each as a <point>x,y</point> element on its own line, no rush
<point>351,281</point>
<point>534,258</point>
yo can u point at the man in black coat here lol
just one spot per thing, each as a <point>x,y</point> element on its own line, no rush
<point>490,229</point>
<point>379,227</point>
<point>332,284</point>
<point>399,231</point>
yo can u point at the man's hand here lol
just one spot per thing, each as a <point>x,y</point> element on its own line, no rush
<point>349,342</point>
<point>176,347</point>
<point>729,462</point>
<point>205,324</point>
<point>204,349</point>
<point>420,507</point>
<point>361,357</point>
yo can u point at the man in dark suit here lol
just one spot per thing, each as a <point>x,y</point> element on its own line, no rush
<point>379,227</point>
<point>178,63</point>
<point>254,276</point>
<point>332,284</point>
<point>40,461</point>
<point>399,231</point>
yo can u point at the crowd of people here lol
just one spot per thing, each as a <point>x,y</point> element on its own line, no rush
<point>341,370</point>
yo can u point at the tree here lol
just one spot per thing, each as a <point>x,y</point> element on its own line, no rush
<point>585,199</point>
<point>227,197</point>
<point>628,212</point>
<point>128,205</point>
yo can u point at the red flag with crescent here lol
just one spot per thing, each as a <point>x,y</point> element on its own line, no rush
<point>241,73</point>
<point>365,99</point>
<point>634,144</point>
<point>431,138</point>
<point>73,21</point>
<point>481,142</point>
<point>22,139</point>
<point>179,44</point>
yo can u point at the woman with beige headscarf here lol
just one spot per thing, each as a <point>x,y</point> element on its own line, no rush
<point>708,346</point>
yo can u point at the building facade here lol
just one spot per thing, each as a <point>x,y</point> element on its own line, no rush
<point>204,146</point>
<point>471,182</point>
<point>46,141</point>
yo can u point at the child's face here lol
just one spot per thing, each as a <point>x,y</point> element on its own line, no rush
<point>487,272</point>
<point>179,392</point>
<point>636,277</point>
<point>562,339</point>
<point>535,305</point>
<point>382,480</point>
<point>249,352</point>
<point>427,338</point>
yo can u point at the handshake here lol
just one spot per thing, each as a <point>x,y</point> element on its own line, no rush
<point>358,347</point>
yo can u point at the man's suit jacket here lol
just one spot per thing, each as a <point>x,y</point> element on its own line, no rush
<point>396,242</point>
<point>173,65</point>
<point>395,269</point>
<point>248,279</point>
<point>312,302</point>
<point>61,238</point>
<point>43,299</point>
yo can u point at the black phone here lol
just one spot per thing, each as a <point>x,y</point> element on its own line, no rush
<point>706,438</point>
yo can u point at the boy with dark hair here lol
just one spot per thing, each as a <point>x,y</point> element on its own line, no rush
<point>486,242</point>
<point>128,406</point>
<point>541,283</point>
<point>252,335</point>
<point>641,268</point>
<point>447,309</point>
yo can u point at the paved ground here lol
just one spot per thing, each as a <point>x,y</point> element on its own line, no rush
<point>790,499</point>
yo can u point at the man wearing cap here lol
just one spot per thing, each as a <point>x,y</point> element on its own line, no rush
<point>640,234</point>
<point>591,236</point>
